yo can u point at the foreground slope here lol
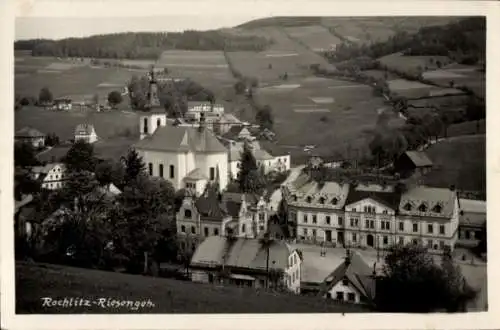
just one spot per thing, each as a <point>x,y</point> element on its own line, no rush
<point>34,281</point>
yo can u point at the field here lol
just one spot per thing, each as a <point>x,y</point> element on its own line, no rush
<point>34,281</point>
<point>412,64</point>
<point>464,75</point>
<point>317,38</point>
<point>460,161</point>
<point>415,89</point>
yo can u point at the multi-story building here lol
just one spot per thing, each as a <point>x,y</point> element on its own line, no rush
<point>472,222</point>
<point>86,133</point>
<point>50,176</point>
<point>372,215</point>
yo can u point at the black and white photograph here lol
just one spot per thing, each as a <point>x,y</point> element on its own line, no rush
<point>247,164</point>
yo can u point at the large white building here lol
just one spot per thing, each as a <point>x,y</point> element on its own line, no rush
<point>50,176</point>
<point>187,157</point>
<point>372,215</point>
<point>85,132</point>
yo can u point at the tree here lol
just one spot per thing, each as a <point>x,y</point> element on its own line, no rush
<point>80,157</point>
<point>249,178</point>
<point>45,96</point>
<point>145,209</point>
<point>52,140</point>
<point>114,98</point>
<point>264,117</point>
<point>239,87</point>
<point>133,164</point>
<point>24,155</point>
<point>411,272</point>
<point>108,172</point>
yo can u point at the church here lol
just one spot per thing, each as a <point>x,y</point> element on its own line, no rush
<point>188,157</point>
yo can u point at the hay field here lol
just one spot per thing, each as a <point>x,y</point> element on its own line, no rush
<point>412,64</point>
<point>461,75</point>
<point>316,37</point>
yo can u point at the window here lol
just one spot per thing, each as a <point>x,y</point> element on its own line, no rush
<point>327,219</point>
<point>187,214</point>
<point>160,168</point>
<point>150,166</point>
<point>367,224</point>
<point>422,208</point>
<point>353,210</point>
<point>430,228</point>
<point>158,123</point>
<point>429,244</point>
<point>322,200</point>
<point>243,227</point>
<point>401,240</point>
<point>372,224</point>
<point>216,231</point>
<point>441,245</point>
<point>206,231</point>
<point>441,229</point>
<point>387,225</point>
<point>261,217</point>
<point>341,221</point>
<point>309,199</point>
<point>354,237</point>
<point>314,219</point>
<point>437,208</point>
<point>351,297</point>
<point>415,227</point>
<point>172,171</point>
<point>340,295</point>
<point>414,241</point>
<point>385,212</point>
<point>305,218</point>
<point>401,226</point>
<point>314,233</point>
<point>193,230</point>
<point>407,207</point>
<point>305,231</point>
<point>261,228</point>
<point>335,201</point>
<point>212,173</point>
<point>183,229</point>
<point>385,240</point>
<point>345,281</point>
<point>145,121</point>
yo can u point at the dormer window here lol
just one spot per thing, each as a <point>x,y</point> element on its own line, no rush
<point>422,208</point>
<point>407,207</point>
<point>345,281</point>
<point>309,199</point>
<point>437,208</point>
<point>294,197</point>
<point>335,201</point>
<point>322,200</point>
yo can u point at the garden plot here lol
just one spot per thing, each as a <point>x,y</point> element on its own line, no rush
<point>442,74</point>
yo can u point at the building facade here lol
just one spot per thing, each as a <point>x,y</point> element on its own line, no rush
<point>472,222</point>
<point>50,176</point>
<point>86,133</point>
<point>31,136</point>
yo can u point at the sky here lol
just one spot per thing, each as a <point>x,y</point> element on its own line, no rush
<point>64,27</point>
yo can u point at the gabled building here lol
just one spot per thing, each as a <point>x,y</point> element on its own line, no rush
<point>472,221</point>
<point>50,176</point>
<point>412,162</point>
<point>63,104</point>
<point>247,263</point>
<point>86,133</point>
<point>353,281</point>
<point>31,136</point>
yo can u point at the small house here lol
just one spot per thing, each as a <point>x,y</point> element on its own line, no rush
<point>85,132</point>
<point>62,104</point>
<point>50,176</point>
<point>472,222</point>
<point>31,136</point>
<point>413,162</point>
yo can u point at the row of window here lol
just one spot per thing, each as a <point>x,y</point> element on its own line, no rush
<point>315,219</point>
<point>351,297</point>
<point>172,171</point>
<point>423,208</point>
<point>206,230</point>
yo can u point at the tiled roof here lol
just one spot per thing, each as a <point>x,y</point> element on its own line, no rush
<point>261,154</point>
<point>419,158</point>
<point>389,199</point>
<point>357,272</point>
<point>242,253</point>
<point>472,212</point>
<point>330,193</point>
<point>84,129</point>
<point>44,169</point>
<point>172,138</point>
<point>233,132</point>
<point>429,197</point>
<point>196,174</point>
<point>55,154</point>
<point>29,132</point>
<point>208,205</point>
<point>231,202</point>
<point>471,205</point>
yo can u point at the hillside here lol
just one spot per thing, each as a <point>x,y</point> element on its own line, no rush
<point>34,281</point>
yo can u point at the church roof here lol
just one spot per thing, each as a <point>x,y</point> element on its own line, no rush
<point>171,138</point>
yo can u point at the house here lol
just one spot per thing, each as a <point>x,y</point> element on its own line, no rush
<point>204,106</point>
<point>353,281</point>
<point>413,162</point>
<point>187,157</point>
<point>472,221</point>
<point>23,225</point>
<point>247,262</point>
<point>225,123</point>
<point>236,214</point>
<point>50,176</point>
<point>62,104</point>
<point>238,133</point>
<point>372,215</point>
<point>85,132</point>
<point>31,136</point>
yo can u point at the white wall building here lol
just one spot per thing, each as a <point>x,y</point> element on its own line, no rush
<point>85,132</point>
<point>187,157</point>
<point>51,176</point>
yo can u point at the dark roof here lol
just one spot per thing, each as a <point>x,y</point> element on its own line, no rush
<point>55,154</point>
<point>208,205</point>
<point>233,132</point>
<point>390,199</point>
<point>172,138</point>
<point>231,202</point>
<point>29,132</point>
<point>419,158</point>
<point>357,272</point>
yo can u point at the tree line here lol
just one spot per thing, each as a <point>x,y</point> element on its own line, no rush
<point>145,45</point>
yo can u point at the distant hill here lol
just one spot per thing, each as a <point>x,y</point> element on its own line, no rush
<point>281,21</point>
<point>142,45</point>
<point>34,281</point>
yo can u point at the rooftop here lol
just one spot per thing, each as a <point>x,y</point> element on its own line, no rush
<point>428,201</point>
<point>84,129</point>
<point>29,132</point>
<point>419,158</point>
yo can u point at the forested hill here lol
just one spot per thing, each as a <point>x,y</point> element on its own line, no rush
<point>144,45</point>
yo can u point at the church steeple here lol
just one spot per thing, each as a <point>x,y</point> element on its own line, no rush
<point>153,101</point>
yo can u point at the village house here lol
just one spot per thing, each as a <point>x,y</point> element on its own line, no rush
<point>353,281</point>
<point>235,214</point>
<point>225,123</point>
<point>472,222</point>
<point>31,136</point>
<point>86,133</point>
<point>62,104</point>
<point>412,162</point>
<point>50,176</point>
<point>197,107</point>
<point>247,262</point>
<point>372,215</point>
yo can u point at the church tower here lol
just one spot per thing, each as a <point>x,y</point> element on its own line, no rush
<point>153,100</point>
